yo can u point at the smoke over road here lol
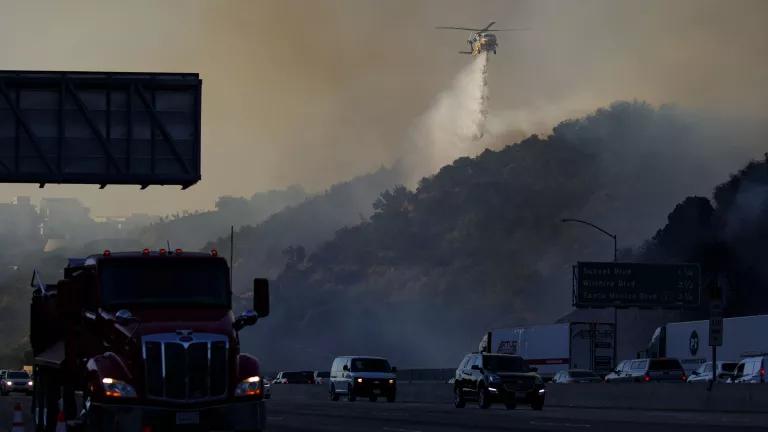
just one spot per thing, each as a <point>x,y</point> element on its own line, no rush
<point>454,124</point>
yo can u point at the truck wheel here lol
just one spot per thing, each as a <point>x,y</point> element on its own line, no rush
<point>483,398</point>
<point>334,396</point>
<point>458,398</point>
<point>391,398</point>
<point>351,394</point>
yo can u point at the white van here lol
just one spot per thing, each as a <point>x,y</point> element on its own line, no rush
<point>362,376</point>
<point>751,370</point>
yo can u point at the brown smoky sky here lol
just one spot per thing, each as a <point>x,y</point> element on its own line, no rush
<point>315,91</point>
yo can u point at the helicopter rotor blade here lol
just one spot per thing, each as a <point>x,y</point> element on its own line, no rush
<point>510,29</point>
<point>488,26</point>
<point>458,28</point>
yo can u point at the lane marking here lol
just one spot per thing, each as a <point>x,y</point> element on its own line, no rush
<point>400,430</point>
<point>538,423</point>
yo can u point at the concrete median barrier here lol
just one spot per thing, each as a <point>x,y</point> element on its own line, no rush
<point>661,396</point>
<point>406,392</point>
<point>655,396</point>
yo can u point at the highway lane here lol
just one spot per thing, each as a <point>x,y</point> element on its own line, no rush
<point>365,416</point>
<point>289,416</point>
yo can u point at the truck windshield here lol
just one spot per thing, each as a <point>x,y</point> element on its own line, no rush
<point>370,365</point>
<point>499,363</point>
<point>164,282</point>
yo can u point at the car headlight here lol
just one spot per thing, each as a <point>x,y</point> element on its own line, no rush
<point>391,381</point>
<point>29,383</point>
<point>494,378</point>
<point>251,386</point>
<point>360,380</point>
<point>10,383</point>
<point>118,389</point>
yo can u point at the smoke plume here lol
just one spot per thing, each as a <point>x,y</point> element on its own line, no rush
<point>455,123</point>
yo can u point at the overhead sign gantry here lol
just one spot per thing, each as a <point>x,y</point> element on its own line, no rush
<point>100,128</point>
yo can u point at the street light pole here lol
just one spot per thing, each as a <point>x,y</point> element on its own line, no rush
<point>613,236</point>
<point>615,309</point>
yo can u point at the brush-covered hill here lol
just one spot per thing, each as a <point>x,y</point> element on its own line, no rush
<point>480,244</point>
<point>263,249</point>
<point>727,235</point>
<point>193,230</point>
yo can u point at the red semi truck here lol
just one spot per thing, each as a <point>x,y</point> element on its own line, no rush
<point>145,341</point>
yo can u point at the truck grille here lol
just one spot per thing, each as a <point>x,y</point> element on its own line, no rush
<point>185,367</point>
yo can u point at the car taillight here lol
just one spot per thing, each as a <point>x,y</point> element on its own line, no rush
<point>646,378</point>
<point>685,378</point>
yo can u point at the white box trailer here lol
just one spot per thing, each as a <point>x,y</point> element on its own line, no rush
<point>555,347</point>
<point>689,341</point>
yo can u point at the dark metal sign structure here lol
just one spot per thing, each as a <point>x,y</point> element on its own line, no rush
<point>621,284</point>
<point>100,128</point>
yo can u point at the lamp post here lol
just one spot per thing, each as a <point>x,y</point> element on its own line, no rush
<point>613,236</point>
<point>615,309</point>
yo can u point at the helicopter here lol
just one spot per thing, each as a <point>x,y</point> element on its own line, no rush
<point>481,40</point>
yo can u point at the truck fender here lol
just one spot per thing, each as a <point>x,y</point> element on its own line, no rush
<point>107,365</point>
<point>247,366</point>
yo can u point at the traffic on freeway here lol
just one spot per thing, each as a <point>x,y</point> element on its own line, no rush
<point>313,215</point>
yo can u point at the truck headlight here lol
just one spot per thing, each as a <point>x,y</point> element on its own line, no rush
<point>9,383</point>
<point>249,387</point>
<point>118,389</point>
<point>30,383</point>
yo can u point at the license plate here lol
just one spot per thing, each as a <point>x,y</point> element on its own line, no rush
<point>192,417</point>
<point>376,391</point>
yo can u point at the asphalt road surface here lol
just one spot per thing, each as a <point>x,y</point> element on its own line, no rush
<point>366,416</point>
<point>362,415</point>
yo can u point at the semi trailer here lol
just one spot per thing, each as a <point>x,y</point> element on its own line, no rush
<point>555,347</point>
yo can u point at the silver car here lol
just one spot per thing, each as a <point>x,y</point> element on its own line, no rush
<point>16,381</point>
<point>572,376</point>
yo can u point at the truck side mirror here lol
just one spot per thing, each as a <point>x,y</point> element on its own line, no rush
<point>394,369</point>
<point>345,368</point>
<point>261,297</point>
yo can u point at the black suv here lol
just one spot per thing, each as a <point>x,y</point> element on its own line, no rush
<point>489,378</point>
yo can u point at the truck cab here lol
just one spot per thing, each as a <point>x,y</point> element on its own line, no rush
<point>150,340</point>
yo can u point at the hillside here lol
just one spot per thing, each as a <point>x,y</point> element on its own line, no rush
<point>192,230</point>
<point>480,244</point>
<point>263,249</point>
<point>727,236</point>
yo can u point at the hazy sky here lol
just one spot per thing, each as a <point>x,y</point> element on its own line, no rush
<point>313,92</point>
